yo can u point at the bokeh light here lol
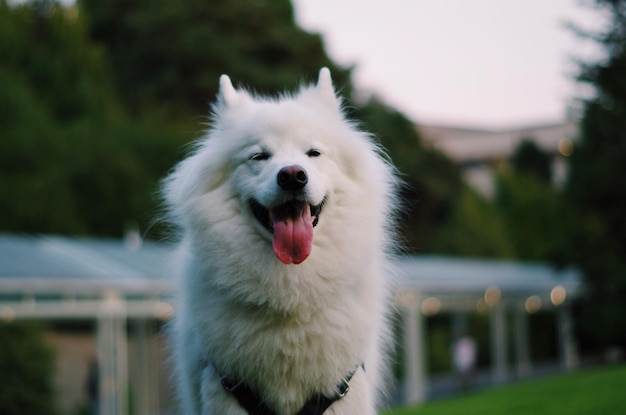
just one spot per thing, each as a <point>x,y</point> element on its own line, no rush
<point>431,306</point>
<point>566,147</point>
<point>533,304</point>
<point>492,296</point>
<point>7,315</point>
<point>558,295</point>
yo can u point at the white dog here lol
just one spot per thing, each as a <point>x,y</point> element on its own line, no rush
<point>284,210</point>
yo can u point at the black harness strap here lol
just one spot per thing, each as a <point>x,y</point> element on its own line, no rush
<point>251,402</point>
<point>246,397</point>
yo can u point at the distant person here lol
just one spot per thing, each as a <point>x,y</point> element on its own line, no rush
<point>465,360</point>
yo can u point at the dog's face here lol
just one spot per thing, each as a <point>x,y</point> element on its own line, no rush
<point>282,183</point>
<point>282,169</point>
<point>289,176</point>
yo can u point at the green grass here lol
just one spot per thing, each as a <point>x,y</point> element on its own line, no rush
<point>588,392</point>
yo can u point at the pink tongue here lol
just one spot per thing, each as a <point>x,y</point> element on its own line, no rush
<point>293,237</point>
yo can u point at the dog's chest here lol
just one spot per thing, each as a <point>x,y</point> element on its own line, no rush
<point>295,356</point>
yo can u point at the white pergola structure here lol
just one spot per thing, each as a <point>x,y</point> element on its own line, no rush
<point>110,282</point>
<point>121,283</point>
<point>429,285</point>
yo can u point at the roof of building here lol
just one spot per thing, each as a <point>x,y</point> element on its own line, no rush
<point>466,144</point>
<point>434,274</point>
<point>49,263</point>
<point>45,265</point>
<point>445,283</point>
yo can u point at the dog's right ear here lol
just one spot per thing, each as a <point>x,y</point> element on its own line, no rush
<point>228,95</point>
<point>325,87</point>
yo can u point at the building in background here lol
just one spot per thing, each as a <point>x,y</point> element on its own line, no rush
<point>107,299</point>
<point>104,303</point>
<point>480,152</point>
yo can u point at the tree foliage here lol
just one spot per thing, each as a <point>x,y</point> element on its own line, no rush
<point>476,228</point>
<point>27,368</point>
<point>529,159</point>
<point>171,56</point>
<point>431,181</point>
<point>596,186</point>
<point>71,161</point>
<point>537,218</point>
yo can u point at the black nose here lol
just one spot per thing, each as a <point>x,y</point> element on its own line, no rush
<point>292,178</point>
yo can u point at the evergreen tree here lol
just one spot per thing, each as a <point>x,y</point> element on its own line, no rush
<point>169,55</point>
<point>431,181</point>
<point>536,217</point>
<point>27,368</point>
<point>71,161</point>
<point>476,228</point>
<point>598,167</point>
<point>529,159</point>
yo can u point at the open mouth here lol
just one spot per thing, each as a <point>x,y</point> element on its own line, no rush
<point>291,225</point>
<point>291,209</point>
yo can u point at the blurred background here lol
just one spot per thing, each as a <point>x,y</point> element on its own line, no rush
<point>506,119</point>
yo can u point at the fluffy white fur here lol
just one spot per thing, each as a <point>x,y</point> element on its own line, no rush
<point>288,330</point>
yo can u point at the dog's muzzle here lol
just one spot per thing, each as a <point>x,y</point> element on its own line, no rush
<point>291,223</point>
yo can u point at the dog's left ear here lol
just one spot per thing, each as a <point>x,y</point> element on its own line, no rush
<point>228,95</point>
<point>325,87</point>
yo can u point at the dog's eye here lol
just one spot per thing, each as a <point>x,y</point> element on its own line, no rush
<point>313,153</point>
<point>264,155</point>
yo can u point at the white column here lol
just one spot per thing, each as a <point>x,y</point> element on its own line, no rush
<point>144,369</point>
<point>415,378</point>
<point>106,365</point>
<point>567,342</point>
<point>121,365</point>
<point>497,332</point>
<point>112,357</point>
<point>522,344</point>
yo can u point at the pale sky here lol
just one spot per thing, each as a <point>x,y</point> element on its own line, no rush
<point>483,63</point>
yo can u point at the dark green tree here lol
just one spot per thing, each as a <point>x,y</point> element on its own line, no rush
<point>431,181</point>
<point>529,159</point>
<point>170,55</point>
<point>537,218</point>
<point>70,160</point>
<point>27,368</point>
<point>596,187</point>
<point>476,227</point>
